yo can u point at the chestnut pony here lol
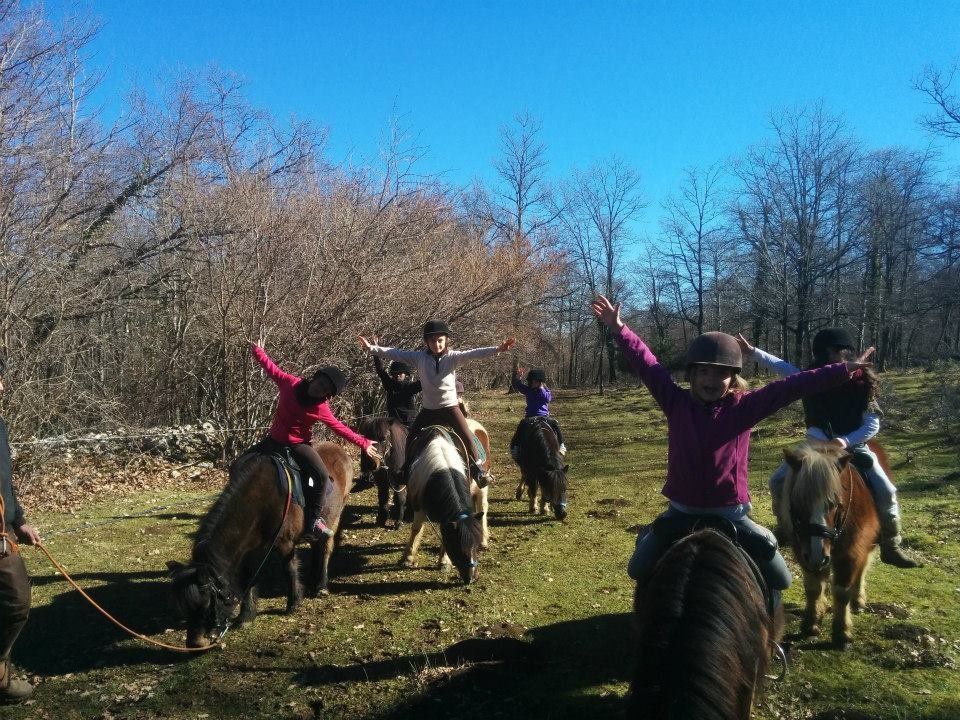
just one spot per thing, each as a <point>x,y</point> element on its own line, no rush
<point>249,520</point>
<point>831,517</point>
<point>704,633</point>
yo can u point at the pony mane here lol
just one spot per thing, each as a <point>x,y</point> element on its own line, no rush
<point>440,466</point>
<point>814,483</point>
<point>202,549</point>
<point>703,633</point>
<point>398,443</point>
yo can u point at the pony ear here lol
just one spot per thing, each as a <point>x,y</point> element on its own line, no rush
<point>478,516</point>
<point>179,571</point>
<point>566,468</point>
<point>792,457</point>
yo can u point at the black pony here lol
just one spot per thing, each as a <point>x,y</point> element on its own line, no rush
<point>705,633</point>
<point>542,469</point>
<point>391,437</point>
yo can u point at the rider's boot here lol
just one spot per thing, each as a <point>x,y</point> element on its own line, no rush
<point>890,551</point>
<point>479,475</point>
<point>12,690</point>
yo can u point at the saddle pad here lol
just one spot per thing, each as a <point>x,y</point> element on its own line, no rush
<point>454,439</point>
<point>282,466</point>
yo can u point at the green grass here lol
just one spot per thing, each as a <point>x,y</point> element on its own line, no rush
<point>545,632</point>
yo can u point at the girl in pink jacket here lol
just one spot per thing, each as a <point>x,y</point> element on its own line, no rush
<point>301,404</point>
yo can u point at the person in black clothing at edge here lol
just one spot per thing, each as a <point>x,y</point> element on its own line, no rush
<point>400,390</point>
<point>14,581</point>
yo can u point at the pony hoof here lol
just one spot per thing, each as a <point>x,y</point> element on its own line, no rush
<point>408,563</point>
<point>843,644</point>
<point>519,494</point>
<point>292,607</point>
<point>810,630</point>
<point>484,546</point>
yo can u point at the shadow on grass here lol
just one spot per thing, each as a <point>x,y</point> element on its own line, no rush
<point>69,635</point>
<point>548,673</point>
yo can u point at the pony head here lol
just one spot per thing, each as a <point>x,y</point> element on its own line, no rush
<point>813,508</point>
<point>204,600</point>
<point>461,539</point>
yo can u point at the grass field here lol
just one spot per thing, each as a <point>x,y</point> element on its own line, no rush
<point>545,632</point>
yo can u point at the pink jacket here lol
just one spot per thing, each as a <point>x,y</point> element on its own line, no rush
<point>293,423</point>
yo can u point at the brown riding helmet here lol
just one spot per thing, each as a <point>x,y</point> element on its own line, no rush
<point>715,348</point>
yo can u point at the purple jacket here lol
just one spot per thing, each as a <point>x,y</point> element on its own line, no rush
<point>538,399</point>
<point>708,446</point>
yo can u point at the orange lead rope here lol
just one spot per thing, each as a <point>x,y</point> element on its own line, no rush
<point>112,619</point>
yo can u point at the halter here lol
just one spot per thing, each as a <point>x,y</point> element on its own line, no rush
<point>833,533</point>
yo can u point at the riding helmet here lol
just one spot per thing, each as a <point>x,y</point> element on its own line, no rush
<point>397,367</point>
<point>831,337</point>
<point>536,375</point>
<point>435,327</point>
<point>715,348</point>
<point>333,374</point>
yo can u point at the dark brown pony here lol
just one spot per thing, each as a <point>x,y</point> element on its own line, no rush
<point>542,469</point>
<point>704,633</point>
<point>391,437</point>
<point>246,523</point>
<point>830,515</point>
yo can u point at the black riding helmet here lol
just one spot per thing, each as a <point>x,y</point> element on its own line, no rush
<point>715,348</point>
<point>333,374</point>
<point>536,375</point>
<point>831,337</point>
<point>397,367</point>
<point>436,327</point>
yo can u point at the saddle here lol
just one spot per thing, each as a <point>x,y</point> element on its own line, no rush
<point>423,438</point>
<point>754,547</point>
<point>283,462</point>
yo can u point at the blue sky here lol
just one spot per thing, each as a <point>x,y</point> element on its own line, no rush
<point>663,85</point>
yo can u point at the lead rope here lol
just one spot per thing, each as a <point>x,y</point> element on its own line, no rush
<point>111,618</point>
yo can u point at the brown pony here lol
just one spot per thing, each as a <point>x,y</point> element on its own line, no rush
<point>704,633</point>
<point>249,520</point>
<point>830,515</point>
<point>391,437</point>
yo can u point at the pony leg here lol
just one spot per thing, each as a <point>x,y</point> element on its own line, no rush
<point>383,498</point>
<point>842,630</point>
<point>319,566</point>
<point>399,506</point>
<point>814,585</point>
<point>481,504</point>
<point>294,588</point>
<point>248,606</point>
<point>520,487</point>
<point>532,491</point>
<point>858,601</point>
<point>416,531</point>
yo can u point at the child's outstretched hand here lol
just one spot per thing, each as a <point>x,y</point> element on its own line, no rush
<point>745,347</point>
<point>853,365</point>
<point>606,312</point>
<point>364,342</point>
<point>865,356</point>
<point>520,372</point>
<point>506,344</point>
